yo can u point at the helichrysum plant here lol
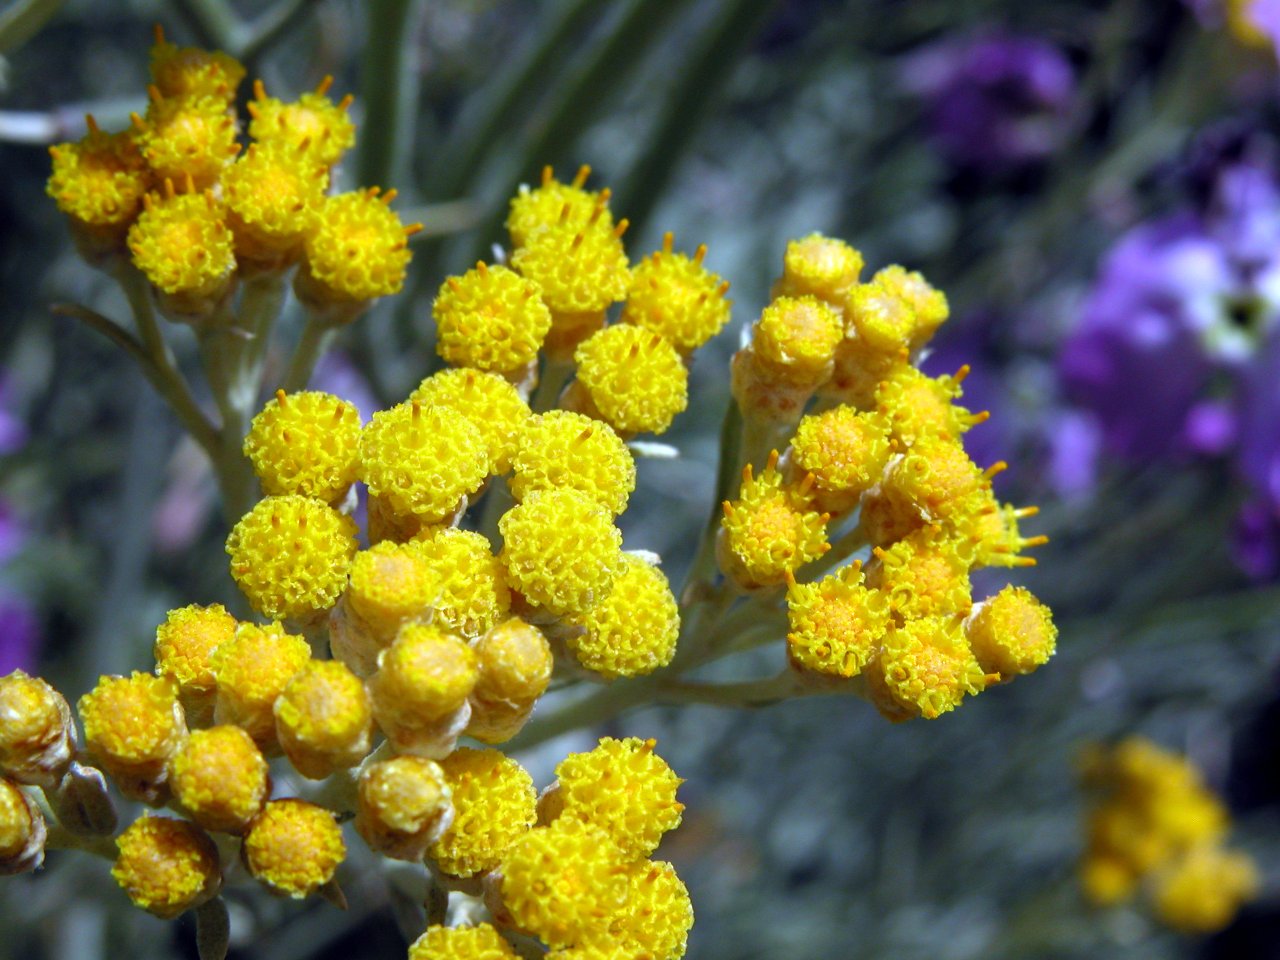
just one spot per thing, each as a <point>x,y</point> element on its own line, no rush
<point>383,669</point>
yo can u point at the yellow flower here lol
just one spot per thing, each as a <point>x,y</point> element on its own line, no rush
<point>357,251</point>
<point>936,476</point>
<point>252,669</point>
<point>622,788</point>
<point>424,676</point>
<point>313,123</point>
<point>561,550</point>
<point>635,379</point>
<point>795,341</point>
<point>534,211</point>
<point>473,594</point>
<point>188,140</point>
<point>323,719</point>
<point>290,556</point>
<point>925,574</point>
<point>36,735</point>
<point>100,181</point>
<point>928,305</point>
<point>846,451</point>
<point>562,450</point>
<point>1012,633</point>
<point>880,317</point>
<point>915,405</point>
<point>515,668</point>
<point>494,803</point>
<point>858,371</point>
<point>392,584</point>
<point>490,318</point>
<point>306,443</point>
<point>632,631</point>
<point>402,806</point>
<point>192,72</point>
<point>220,778</point>
<point>132,726</point>
<point>481,942</point>
<point>274,195</point>
<point>1107,880</point>
<point>770,530</point>
<point>166,866</point>
<point>678,298</point>
<point>1202,892</point>
<point>928,667</point>
<point>821,267</point>
<point>836,623</point>
<point>657,916</point>
<point>185,643</point>
<point>294,847</point>
<point>495,409</point>
<point>992,528</point>
<point>22,830</point>
<point>183,244</point>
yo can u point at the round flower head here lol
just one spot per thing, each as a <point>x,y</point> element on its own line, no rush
<point>534,211</point>
<point>925,574</point>
<point>992,528</point>
<point>635,379</point>
<point>498,414</point>
<point>515,663</point>
<point>188,140</point>
<point>481,942</point>
<point>313,123</point>
<point>1107,880</point>
<point>859,370</point>
<point>166,866</point>
<point>928,305</point>
<point>795,341</point>
<point>306,443</point>
<point>252,669</point>
<point>915,405</point>
<point>490,318</point>
<point>623,788</point>
<point>633,630</point>
<point>846,451</point>
<point>1204,890</point>
<point>294,847</point>
<point>1012,633</point>
<point>675,296</point>
<point>290,556</point>
<point>220,778</point>
<point>323,719</point>
<point>424,676</point>
<point>132,726</point>
<point>22,831</point>
<point>100,181</point>
<point>936,476</point>
<point>357,251</point>
<point>560,450</point>
<point>929,668</point>
<point>562,883</point>
<point>472,593</point>
<point>184,647</point>
<point>402,806</point>
<point>494,803</point>
<point>36,735</point>
<point>836,624</point>
<point>192,72</point>
<point>658,914</point>
<point>881,318</point>
<point>561,550</point>
<point>422,460</point>
<point>391,584</point>
<point>770,529</point>
<point>182,244</point>
<point>884,519</point>
<point>821,267</point>
<point>273,194</point>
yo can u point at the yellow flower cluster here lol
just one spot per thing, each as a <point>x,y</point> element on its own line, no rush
<point>1155,825</point>
<point>177,195</point>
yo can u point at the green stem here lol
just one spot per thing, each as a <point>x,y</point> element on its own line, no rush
<point>389,88</point>
<point>555,375</point>
<point>259,309</point>
<point>23,21</point>
<point>744,693</point>
<point>703,569</point>
<point>215,22</point>
<point>270,26</point>
<point>497,501</point>
<point>312,344</point>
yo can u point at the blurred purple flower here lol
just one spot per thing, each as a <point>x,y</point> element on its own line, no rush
<point>1256,541</point>
<point>12,532</point>
<point>19,634</point>
<point>1258,457</point>
<point>336,374</point>
<point>13,432</point>
<point>995,102</point>
<point>983,390</point>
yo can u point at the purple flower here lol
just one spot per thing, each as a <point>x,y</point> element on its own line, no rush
<point>19,634</point>
<point>995,102</point>
<point>1256,542</point>
<point>13,432</point>
<point>1258,457</point>
<point>12,533</point>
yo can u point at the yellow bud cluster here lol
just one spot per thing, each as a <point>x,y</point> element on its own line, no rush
<point>771,529</point>
<point>821,267</point>
<point>535,210</point>
<point>99,182</point>
<point>916,406</point>
<point>422,682</point>
<point>274,197</point>
<point>495,410</point>
<point>187,140</point>
<point>294,847</point>
<point>633,630</point>
<point>836,624</point>
<point>184,648</point>
<point>22,830</point>
<point>481,942</point>
<point>491,319</point>
<point>192,72</point>
<point>166,866</point>
<point>515,663</point>
<point>324,720</point>
<point>182,244</point>
<point>313,123</point>
<point>1012,633</point>
<point>924,574</point>
<point>251,670</point>
<point>307,444</point>
<point>924,668</point>
<point>391,584</point>
<point>846,452</point>
<point>1153,819</point>
<point>633,379</point>
<point>358,251</point>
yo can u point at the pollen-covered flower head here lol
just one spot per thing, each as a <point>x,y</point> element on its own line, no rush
<point>252,669</point>
<point>99,181</point>
<point>928,304</point>
<point>188,140</point>
<point>845,450</point>
<point>274,194</point>
<point>220,778</point>
<point>191,72</point>
<point>357,251</point>
<point>1012,633</point>
<point>928,668</point>
<point>858,371</point>
<point>621,787</point>
<point>473,593</point>
<point>818,266</point>
<point>313,122</point>
<point>632,631</point>
<point>836,623</point>
<point>515,664</point>
<point>770,530</point>
<point>294,847</point>
<point>36,735</point>
<point>22,830</point>
<point>562,450</point>
<point>166,866</point>
<point>426,674</point>
<point>422,460</point>
<point>132,726</point>
<point>494,802</point>
<point>635,380</point>
<point>498,414</point>
<point>392,584</point>
<point>481,942</point>
<point>795,341</point>
<point>561,550</point>
<point>402,806</point>
<point>936,476</point>
<point>925,574</point>
<point>655,920</point>
<point>290,556</point>
<point>182,244</point>
<point>915,405</point>
<point>490,318</point>
<point>562,882</point>
<point>185,643</point>
<point>306,443</point>
<point>677,297</point>
<point>536,210</point>
<point>993,529</point>
<point>881,317</point>
<point>324,720</point>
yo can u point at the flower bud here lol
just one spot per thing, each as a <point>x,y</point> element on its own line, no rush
<point>403,806</point>
<point>22,830</point>
<point>294,847</point>
<point>133,725</point>
<point>220,778</point>
<point>36,734</point>
<point>166,866</point>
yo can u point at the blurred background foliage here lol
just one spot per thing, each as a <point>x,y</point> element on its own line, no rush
<point>1001,148</point>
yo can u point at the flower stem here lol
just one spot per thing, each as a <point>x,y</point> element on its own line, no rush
<point>315,340</point>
